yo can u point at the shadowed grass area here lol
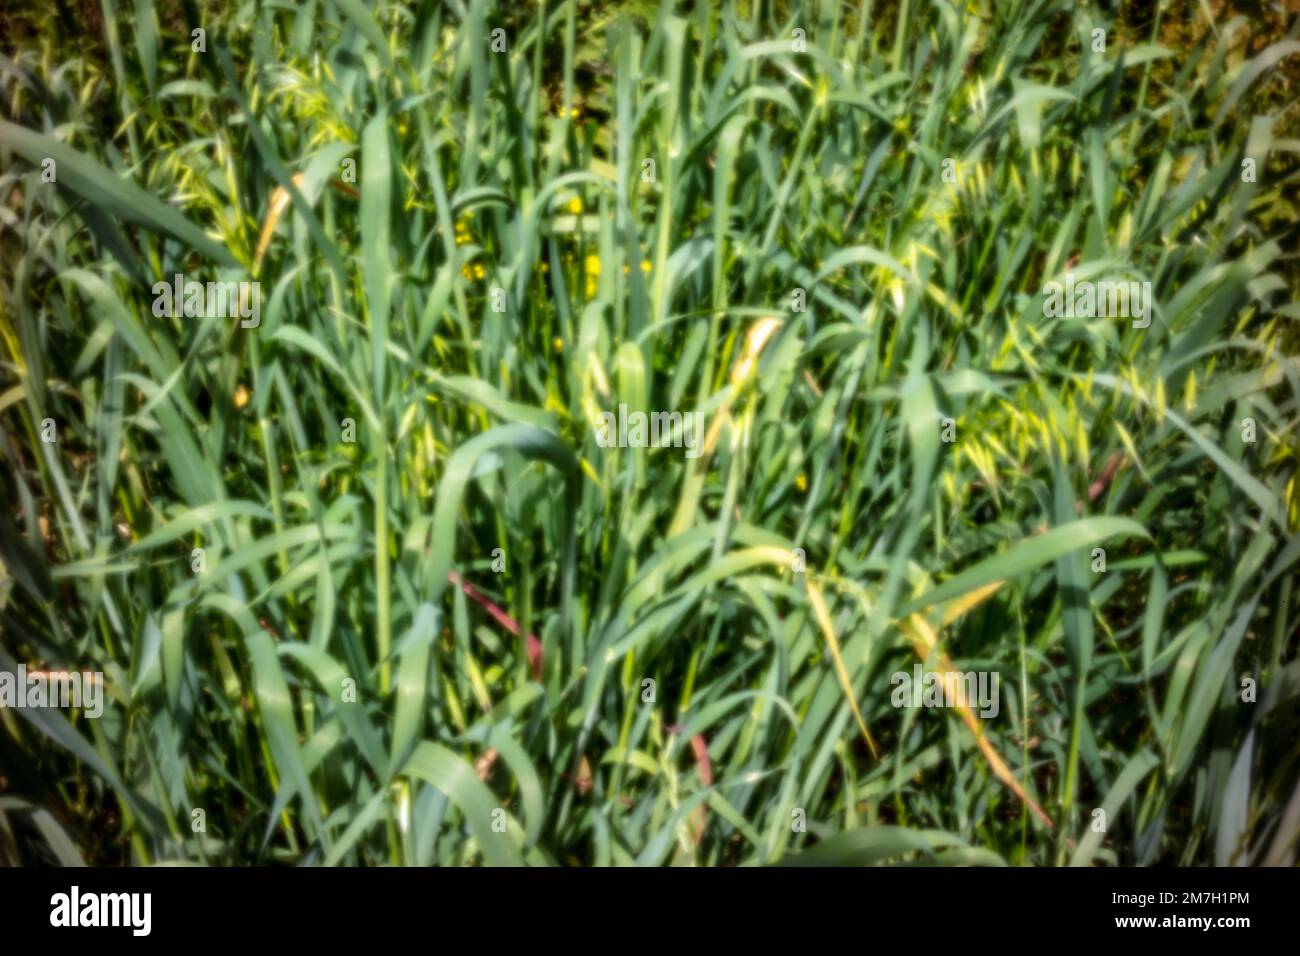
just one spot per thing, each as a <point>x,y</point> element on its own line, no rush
<point>366,585</point>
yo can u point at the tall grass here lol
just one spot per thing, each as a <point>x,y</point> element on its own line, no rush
<point>372,562</point>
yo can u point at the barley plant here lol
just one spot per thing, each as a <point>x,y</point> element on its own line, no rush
<point>370,580</point>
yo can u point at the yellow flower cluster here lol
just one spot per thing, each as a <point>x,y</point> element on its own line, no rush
<point>471,270</point>
<point>592,263</point>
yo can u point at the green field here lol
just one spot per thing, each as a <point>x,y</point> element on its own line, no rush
<point>366,576</point>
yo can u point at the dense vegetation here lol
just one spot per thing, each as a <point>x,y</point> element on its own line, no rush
<point>424,593</point>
